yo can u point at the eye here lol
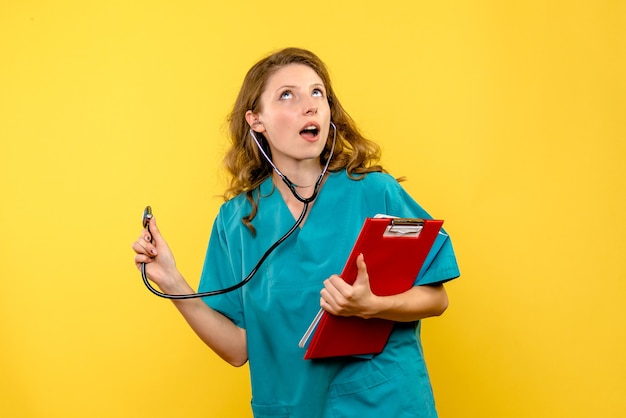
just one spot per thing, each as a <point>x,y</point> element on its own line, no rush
<point>318,93</point>
<point>285,95</point>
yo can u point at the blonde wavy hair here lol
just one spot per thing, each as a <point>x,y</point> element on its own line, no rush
<point>246,165</point>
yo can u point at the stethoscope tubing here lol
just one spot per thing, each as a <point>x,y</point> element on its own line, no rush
<point>267,253</point>
<point>231,288</point>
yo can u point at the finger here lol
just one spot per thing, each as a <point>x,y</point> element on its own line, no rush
<point>336,287</point>
<point>154,229</point>
<point>337,292</point>
<point>146,236</point>
<point>142,247</point>
<point>362,274</point>
<point>325,293</point>
<point>331,291</point>
<point>325,305</point>
<point>327,302</point>
<point>141,259</point>
<point>150,227</point>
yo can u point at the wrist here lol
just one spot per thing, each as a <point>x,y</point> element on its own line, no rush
<point>175,284</point>
<point>376,307</point>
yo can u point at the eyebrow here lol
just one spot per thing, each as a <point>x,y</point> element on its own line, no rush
<point>289,86</point>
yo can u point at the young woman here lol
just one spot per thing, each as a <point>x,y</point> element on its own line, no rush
<point>290,134</point>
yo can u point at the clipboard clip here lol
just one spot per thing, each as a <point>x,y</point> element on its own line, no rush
<point>404,227</point>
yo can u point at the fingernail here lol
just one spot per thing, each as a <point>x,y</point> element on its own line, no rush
<point>147,238</point>
<point>153,251</point>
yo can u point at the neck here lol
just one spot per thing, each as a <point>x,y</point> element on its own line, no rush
<point>300,173</point>
<point>302,180</point>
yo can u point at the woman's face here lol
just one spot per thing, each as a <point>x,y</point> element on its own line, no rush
<point>295,115</point>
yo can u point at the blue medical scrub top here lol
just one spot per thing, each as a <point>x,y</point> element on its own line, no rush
<point>278,304</point>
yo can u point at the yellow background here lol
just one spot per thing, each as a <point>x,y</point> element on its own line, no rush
<point>508,118</point>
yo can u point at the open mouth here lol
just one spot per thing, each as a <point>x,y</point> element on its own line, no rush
<point>310,131</point>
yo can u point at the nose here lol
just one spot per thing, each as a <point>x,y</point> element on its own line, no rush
<point>310,107</point>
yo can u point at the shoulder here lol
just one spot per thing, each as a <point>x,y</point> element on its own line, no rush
<point>376,180</point>
<point>383,180</point>
<point>231,211</point>
<point>376,189</point>
<point>379,185</point>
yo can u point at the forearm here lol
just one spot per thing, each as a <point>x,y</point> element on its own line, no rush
<point>416,303</point>
<point>216,330</point>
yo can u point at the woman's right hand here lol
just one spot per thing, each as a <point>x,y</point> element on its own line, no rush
<point>216,330</point>
<point>151,249</point>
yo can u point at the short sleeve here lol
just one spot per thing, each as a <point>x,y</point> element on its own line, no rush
<point>218,273</point>
<point>440,265</point>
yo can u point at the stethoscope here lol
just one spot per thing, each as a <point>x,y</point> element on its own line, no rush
<point>147,215</point>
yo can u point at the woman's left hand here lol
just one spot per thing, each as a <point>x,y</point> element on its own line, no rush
<point>342,299</point>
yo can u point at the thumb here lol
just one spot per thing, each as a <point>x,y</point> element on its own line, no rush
<point>362,276</point>
<point>154,230</point>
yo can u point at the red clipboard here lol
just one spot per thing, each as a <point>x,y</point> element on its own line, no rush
<point>394,250</point>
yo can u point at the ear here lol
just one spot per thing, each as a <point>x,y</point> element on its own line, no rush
<point>254,122</point>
